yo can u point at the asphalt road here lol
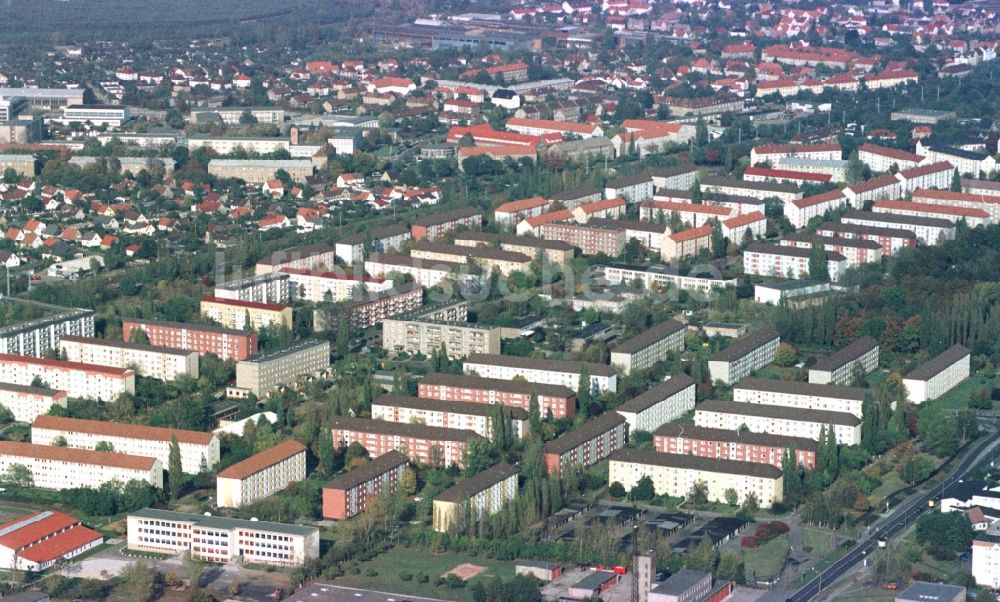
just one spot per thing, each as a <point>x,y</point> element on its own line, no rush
<point>891,525</point>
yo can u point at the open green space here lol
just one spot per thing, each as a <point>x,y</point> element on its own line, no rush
<point>818,542</point>
<point>385,573</point>
<point>767,560</point>
<point>890,482</point>
<point>958,398</point>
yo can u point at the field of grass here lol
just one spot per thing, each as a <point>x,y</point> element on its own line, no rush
<point>869,594</point>
<point>816,541</point>
<point>392,565</point>
<point>768,559</point>
<point>890,482</point>
<point>958,398</point>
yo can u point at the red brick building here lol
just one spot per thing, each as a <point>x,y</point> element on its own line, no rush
<point>227,343</point>
<point>421,443</point>
<point>588,444</point>
<point>723,444</point>
<point>555,400</point>
<point>591,239</point>
<point>347,495</point>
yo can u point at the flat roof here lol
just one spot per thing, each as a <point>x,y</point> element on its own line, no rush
<point>321,592</point>
<point>787,387</point>
<point>290,350</point>
<point>467,488</point>
<point>681,581</point>
<point>189,326</point>
<point>123,345</point>
<point>221,522</point>
<point>923,591</point>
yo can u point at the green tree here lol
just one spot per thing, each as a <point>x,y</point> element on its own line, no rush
<point>583,388</point>
<point>134,583</point>
<point>643,490</point>
<point>818,269</point>
<point>18,475</point>
<point>616,490</point>
<point>916,469</point>
<point>534,413</point>
<point>956,181</point>
<point>703,557</point>
<point>944,535</point>
<point>696,195</point>
<point>175,474</point>
<point>343,338</point>
<point>104,446</point>
<point>939,433</point>
<point>409,481</point>
<point>698,495</point>
<point>718,240</point>
<point>791,478</point>
<point>785,355</point>
<point>701,132</point>
<point>732,498</point>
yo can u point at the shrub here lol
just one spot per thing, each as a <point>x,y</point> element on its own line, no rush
<point>406,576</point>
<point>778,527</point>
<point>422,578</point>
<point>749,542</point>
<point>371,573</point>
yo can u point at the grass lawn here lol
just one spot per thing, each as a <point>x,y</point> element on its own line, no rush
<point>869,594</point>
<point>817,541</point>
<point>397,561</point>
<point>768,559</point>
<point>890,482</point>
<point>958,398</point>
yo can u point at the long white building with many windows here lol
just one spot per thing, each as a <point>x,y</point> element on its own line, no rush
<point>260,475</point>
<point>477,497</point>
<point>938,375</point>
<point>676,474</point>
<point>26,402</point>
<point>535,370</point>
<point>35,337</point>
<point>162,363</point>
<point>744,356</point>
<point>777,420</point>
<point>659,405</point>
<point>807,396</point>
<point>77,379</point>
<point>199,451</point>
<point>66,468</point>
<point>217,539</point>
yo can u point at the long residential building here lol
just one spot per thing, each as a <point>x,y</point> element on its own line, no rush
<point>725,444</point>
<point>786,193</point>
<point>246,314</point>
<point>371,310</point>
<point>226,343</point>
<point>777,420</point>
<point>892,240</point>
<point>505,262</point>
<point>482,495</point>
<point>537,370</point>
<point>938,375</point>
<point>414,334</point>
<point>839,368</point>
<point>649,347</point>
<point>432,445</point>
<point>78,380</point>
<point>881,158</point>
<point>663,277</point>
<point>591,239</point>
<point>473,417</point>
<point>218,539</point>
<point>351,249</point>
<point>662,403</point>
<point>27,402</point>
<point>348,494</point>
<point>425,272</point>
<point>555,401</point>
<point>35,337</point>
<point>323,287</point>
<point>928,230</point>
<point>54,467</point>
<point>990,203</point>
<point>199,451</point>
<point>793,394</point>
<point>744,356</point>
<point>552,251</point>
<point>272,287</point>
<point>778,261</point>
<point>801,211</point>
<point>319,256</point>
<point>264,373</point>
<point>258,171</point>
<point>437,224</point>
<point>675,475</point>
<point>587,444</point>
<point>261,475</point>
<point>973,216</point>
<point>162,363</point>
<point>856,251</point>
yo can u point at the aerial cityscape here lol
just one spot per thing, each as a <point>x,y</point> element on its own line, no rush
<point>500,301</point>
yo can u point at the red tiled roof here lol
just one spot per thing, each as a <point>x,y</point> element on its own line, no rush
<point>39,361</point>
<point>923,170</point>
<point>60,545</point>
<point>817,199</point>
<point>892,153</point>
<point>33,527</point>
<point>522,204</point>
<point>117,429</point>
<point>692,234</point>
<point>550,124</point>
<point>266,458</point>
<point>744,219</point>
<point>949,195</point>
<point>669,206</point>
<point>926,208</point>
<point>786,174</point>
<point>545,218</point>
